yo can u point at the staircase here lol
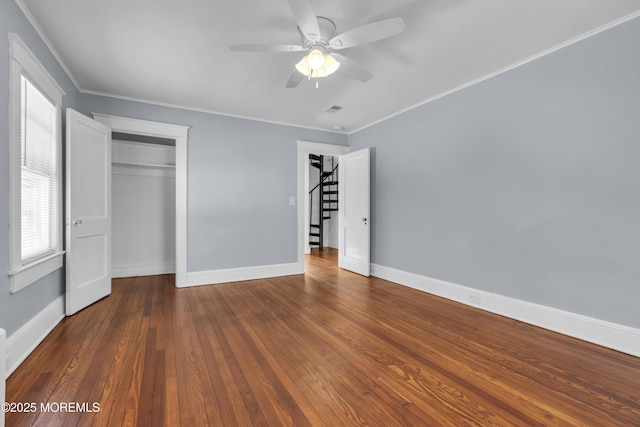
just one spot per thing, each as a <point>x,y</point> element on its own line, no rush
<point>323,198</point>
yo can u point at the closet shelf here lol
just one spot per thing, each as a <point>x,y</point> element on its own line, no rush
<point>143,165</point>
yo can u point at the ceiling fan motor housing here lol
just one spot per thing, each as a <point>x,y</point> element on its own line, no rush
<point>327,31</point>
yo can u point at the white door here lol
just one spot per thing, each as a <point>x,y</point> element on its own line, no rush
<point>88,211</point>
<point>353,212</point>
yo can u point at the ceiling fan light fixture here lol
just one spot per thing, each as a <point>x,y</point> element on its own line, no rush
<point>330,65</point>
<point>315,59</point>
<point>303,67</point>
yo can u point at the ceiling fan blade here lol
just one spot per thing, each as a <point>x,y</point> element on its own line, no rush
<point>368,33</point>
<point>351,68</point>
<point>294,80</point>
<point>306,18</point>
<point>266,48</point>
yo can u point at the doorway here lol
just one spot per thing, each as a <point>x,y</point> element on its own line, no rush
<point>305,149</point>
<point>324,197</point>
<point>143,205</point>
<point>179,134</point>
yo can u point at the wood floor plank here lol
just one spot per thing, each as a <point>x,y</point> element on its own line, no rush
<point>518,364</point>
<point>290,355</point>
<point>322,349</point>
<point>430,388</point>
<point>312,355</point>
<point>275,403</point>
<point>196,393</point>
<point>235,398</point>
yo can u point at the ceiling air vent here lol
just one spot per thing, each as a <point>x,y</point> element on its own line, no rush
<point>333,109</point>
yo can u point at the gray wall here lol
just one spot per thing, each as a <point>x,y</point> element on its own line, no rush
<point>17,309</point>
<point>525,185</point>
<point>241,174</point>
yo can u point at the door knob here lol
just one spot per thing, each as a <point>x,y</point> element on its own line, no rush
<point>77,222</point>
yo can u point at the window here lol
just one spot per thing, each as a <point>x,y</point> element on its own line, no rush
<point>35,168</point>
<point>38,129</point>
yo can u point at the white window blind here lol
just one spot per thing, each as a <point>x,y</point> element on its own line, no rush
<point>38,130</point>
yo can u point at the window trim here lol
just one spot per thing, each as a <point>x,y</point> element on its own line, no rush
<point>23,61</point>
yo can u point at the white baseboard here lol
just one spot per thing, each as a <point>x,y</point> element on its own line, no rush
<point>211,277</point>
<point>3,388</point>
<point>597,331</point>
<point>134,270</point>
<point>23,341</point>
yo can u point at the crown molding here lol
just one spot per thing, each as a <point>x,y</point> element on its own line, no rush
<point>517,64</point>
<point>205,111</point>
<point>36,26</point>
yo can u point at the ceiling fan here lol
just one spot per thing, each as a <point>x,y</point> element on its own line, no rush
<point>319,39</point>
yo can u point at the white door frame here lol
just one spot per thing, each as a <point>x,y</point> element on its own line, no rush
<point>304,149</point>
<point>181,135</point>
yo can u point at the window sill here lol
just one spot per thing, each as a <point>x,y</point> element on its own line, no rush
<point>25,275</point>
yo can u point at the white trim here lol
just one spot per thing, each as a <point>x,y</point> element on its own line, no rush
<point>135,270</point>
<point>23,276</point>
<point>22,342</point>
<point>517,64</point>
<point>307,207</point>
<point>304,149</point>
<point>182,190</point>
<point>3,376</point>
<point>18,51</point>
<point>23,62</point>
<point>321,148</point>
<point>27,13</point>
<point>607,334</point>
<point>142,127</point>
<point>207,111</point>
<point>211,277</point>
<point>181,134</point>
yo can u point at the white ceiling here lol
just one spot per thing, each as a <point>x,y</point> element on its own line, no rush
<point>176,52</point>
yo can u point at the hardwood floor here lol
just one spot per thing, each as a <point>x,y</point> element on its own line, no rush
<point>328,348</point>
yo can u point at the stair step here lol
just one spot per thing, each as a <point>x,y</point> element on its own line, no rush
<point>314,234</point>
<point>330,192</point>
<point>326,217</point>
<point>330,183</point>
<point>330,209</point>
<point>316,165</point>
<point>314,225</point>
<point>314,157</point>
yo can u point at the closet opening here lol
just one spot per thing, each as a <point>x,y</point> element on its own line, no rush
<point>143,205</point>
